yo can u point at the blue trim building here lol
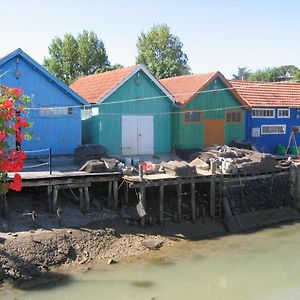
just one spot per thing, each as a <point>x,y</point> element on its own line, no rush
<point>273,113</point>
<point>55,109</point>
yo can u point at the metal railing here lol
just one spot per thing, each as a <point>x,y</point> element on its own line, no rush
<point>42,164</point>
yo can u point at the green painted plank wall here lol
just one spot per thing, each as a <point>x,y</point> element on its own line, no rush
<point>187,136</point>
<point>106,130</point>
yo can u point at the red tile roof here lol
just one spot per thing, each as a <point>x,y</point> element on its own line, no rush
<point>183,88</point>
<point>93,87</point>
<point>266,94</point>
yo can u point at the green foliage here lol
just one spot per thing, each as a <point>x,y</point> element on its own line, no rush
<point>282,73</point>
<point>242,74</point>
<point>161,53</point>
<point>72,57</point>
<point>297,76</point>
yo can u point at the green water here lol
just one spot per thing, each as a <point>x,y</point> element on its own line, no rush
<point>262,265</point>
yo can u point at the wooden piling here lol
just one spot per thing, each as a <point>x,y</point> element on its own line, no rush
<point>87,198</point>
<point>109,195</point>
<point>161,204</point>
<point>193,202</point>
<point>54,199</point>
<point>179,192</point>
<point>142,199</point>
<point>49,195</point>
<point>126,193</point>
<point>213,189</point>
<point>116,194</point>
<point>81,198</point>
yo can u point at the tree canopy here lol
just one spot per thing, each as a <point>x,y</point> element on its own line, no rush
<point>242,74</point>
<point>161,52</point>
<point>282,73</point>
<point>72,57</point>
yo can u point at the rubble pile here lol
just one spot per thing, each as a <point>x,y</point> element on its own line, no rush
<point>179,168</point>
<point>235,160</point>
<point>87,152</point>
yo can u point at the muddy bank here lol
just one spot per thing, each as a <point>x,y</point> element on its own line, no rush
<point>28,257</point>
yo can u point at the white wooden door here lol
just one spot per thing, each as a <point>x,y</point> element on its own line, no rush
<point>137,135</point>
<point>145,135</point>
<point>129,135</point>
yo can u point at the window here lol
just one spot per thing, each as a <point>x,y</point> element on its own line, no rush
<point>263,112</point>
<point>55,111</point>
<point>233,117</point>
<point>283,113</point>
<point>192,117</point>
<point>273,129</point>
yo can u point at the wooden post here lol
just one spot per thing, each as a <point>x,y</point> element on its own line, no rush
<point>81,198</point>
<point>142,199</point>
<point>115,184</point>
<point>126,193</point>
<point>49,194</point>
<point>109,194</point>
<point>54,199</point>
<point>179,191</point>
<point>193,204</point>
<point>161,204</point>
<point>213,188</point>
<point>3,205</point>
<point>87,198</point>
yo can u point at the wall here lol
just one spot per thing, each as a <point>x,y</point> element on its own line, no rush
<point>269,142</point>
<point>106,128</point>
<point>61,133</point>
<point>188,136</point>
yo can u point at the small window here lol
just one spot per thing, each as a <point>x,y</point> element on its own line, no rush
<point>283,113</point>
<point>53,111</point>
<point>263,113</point>
<point>233,117</point>
<point>273,129</point>
<point>70,110</point>
<point>192,117</point>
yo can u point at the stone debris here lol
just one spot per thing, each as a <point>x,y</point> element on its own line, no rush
<point>179,168</point>
<point>111,262</point>
<point>152,244</point>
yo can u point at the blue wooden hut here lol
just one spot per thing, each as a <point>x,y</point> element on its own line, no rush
<point>132,112</point>
<point>273,116</point>
<point>55,109</point>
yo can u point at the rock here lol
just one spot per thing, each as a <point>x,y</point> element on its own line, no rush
<point>69,231</point>
<point>14,234</point>
<point>111,261</point>
<point>152,244</point>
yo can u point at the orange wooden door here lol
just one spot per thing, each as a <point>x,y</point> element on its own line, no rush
<point>213,132</point>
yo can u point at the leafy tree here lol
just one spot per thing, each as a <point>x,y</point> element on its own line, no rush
<point>72,57</point>
<point>282,73</point>
<point>297,76</point>
<point>242,74</point>
<point>161,52</point>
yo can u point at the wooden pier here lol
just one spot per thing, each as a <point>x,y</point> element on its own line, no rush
<point>210,177</point>
<point>74,179</point>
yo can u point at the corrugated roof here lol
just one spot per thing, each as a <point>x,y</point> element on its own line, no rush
<point>183,88</point>
<point>93,87</point>
<point>268,94</point>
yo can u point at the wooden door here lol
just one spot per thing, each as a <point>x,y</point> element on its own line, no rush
<point>213,132</point>
<point>129,135</point>
<point>145,135</point>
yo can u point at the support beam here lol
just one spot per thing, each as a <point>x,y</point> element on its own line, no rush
<point>213,189</point>
<point>142,199</point>
<point>126,193</point>
<point>49,195</point>
<point>161,204</point>
<point>116,194</point>
<point>81,198</point>
<point>54,199</point>
<point>109,195</point>
<point>179,192</point>
<point>87,198</point>
<point>193,202</point>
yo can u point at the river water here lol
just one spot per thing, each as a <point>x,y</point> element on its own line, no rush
<point>261,265</point>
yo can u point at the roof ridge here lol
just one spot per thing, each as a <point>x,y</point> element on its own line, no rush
<point>191,75</point>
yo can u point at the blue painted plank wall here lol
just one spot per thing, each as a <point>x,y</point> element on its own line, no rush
<point>61,133</point>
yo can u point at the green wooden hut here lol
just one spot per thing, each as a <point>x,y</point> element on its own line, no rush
<point>130,113</point>
<point>210,112</point>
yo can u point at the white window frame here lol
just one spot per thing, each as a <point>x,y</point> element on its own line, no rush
<point>272,125</point>
<point>283,109</point>
<point>57,111</point>
<point>263,117</point>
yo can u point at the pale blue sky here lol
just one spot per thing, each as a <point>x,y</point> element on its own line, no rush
<point>217,35</point>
